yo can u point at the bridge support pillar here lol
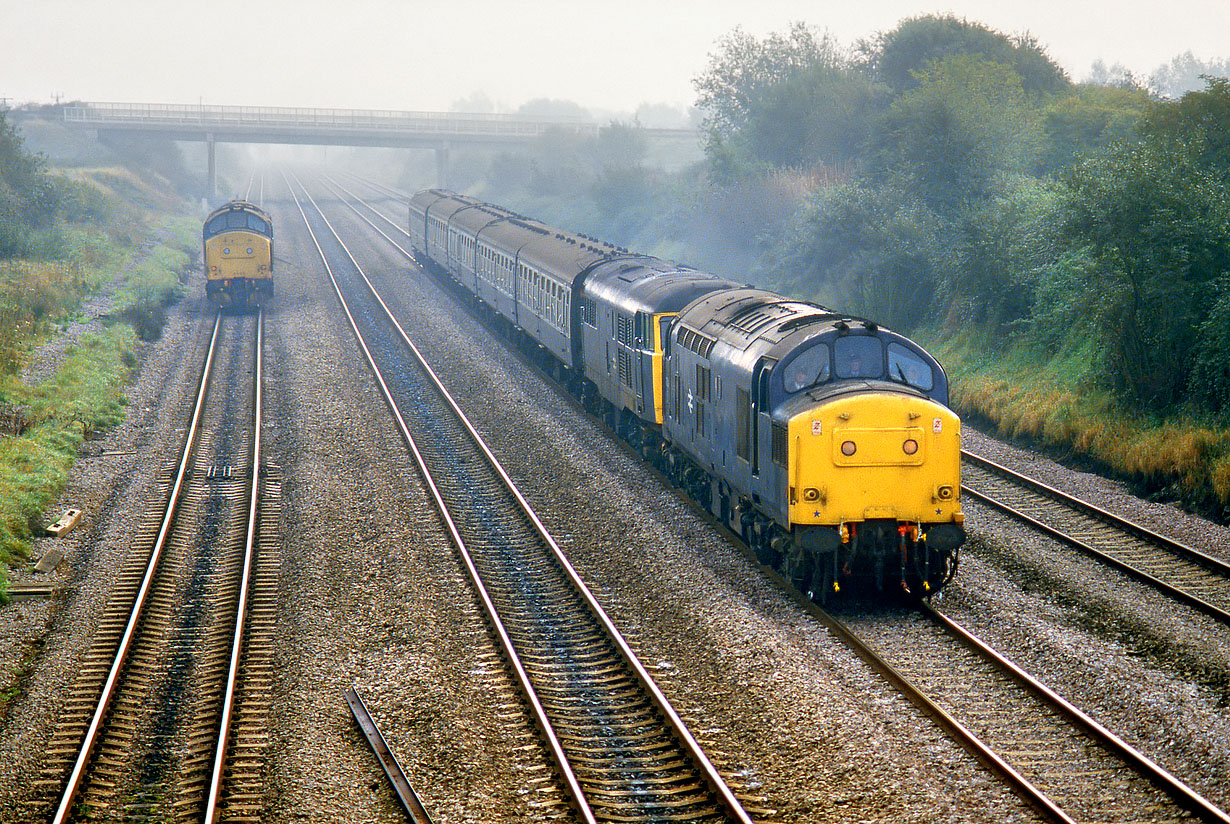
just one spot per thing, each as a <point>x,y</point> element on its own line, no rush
<point>442,166</point>
<point>212,183</point>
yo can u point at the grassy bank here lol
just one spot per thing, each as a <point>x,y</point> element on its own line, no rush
<point>1051,403</point>
<point>85,395</point>
<point>41,427</point>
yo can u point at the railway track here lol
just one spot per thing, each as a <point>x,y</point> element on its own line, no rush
<point>1181,572</point>
<point>1069,767</point>
<point>620,749</point>
<point>147,730</point>
<point>1050,751</point>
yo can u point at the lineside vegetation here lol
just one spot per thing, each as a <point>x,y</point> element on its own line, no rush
<point>66,237</point>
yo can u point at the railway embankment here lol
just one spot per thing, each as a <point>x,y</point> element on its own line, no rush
<point>76,311</point>
<point>1053,406</point>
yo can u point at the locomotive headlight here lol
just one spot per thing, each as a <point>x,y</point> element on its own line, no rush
<point>944,493</point>
<point>811,494</point>
<point>249,251</point>
<point>910,446</point>
<point>848,448</point>
<point>226,251</point>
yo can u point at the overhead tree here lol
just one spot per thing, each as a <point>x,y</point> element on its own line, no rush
<point>792,99</point>
<point>899,56</point>
<point>966,121</point>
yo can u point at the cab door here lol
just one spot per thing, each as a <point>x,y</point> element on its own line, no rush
<point>762,437</point>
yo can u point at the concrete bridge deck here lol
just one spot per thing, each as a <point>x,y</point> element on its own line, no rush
<point>341,127</point>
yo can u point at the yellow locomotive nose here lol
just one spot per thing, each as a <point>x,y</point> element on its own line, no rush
<point>879,455</point>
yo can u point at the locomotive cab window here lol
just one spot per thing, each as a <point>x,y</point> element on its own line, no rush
<point>810,368</point>
<point>258,225</point>
<point>858,356</point>
<point>905,366</point>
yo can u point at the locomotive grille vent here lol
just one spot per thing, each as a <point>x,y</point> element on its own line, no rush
<point>623,329</point>
<point>695,341</point>
<point>589,312</point>
<point>759,315</point>
<point>625,368</point>
<point>781,445</point>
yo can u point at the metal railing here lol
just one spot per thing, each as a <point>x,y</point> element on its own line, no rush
<point>323,120</point>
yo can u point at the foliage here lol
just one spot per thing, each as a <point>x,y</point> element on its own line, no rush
<point>1201,119</point>
<point>789,100</point>
<point>899,57</point>
<point>85,395</point>
<point>999,250</point>
<point>874,249</point>
<point>1156,224</point>
<point>150,287</point>
<point>1090,120</point>
<point>28,196</point>
<point>965,122</point>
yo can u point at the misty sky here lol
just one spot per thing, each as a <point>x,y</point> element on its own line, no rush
<point>609,56</point>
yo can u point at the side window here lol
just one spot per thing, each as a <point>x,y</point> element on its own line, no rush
<point>905,366</point>
<point>811,367</point>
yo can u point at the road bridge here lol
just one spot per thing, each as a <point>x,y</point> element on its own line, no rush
<point>341,127</point>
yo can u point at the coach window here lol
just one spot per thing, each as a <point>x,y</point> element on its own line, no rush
<point>905,366</point>
<point>811,367</point>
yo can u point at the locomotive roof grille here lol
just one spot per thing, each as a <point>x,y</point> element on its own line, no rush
<point>698,342</point>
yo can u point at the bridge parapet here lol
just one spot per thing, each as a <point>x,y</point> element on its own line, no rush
<point>263,118</point>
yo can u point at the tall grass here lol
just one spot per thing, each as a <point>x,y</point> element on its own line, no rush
<point>1055,403</point>
<point>85,395</point>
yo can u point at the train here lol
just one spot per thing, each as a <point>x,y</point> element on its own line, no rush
<point>238,253</point>
<point>824,440</point>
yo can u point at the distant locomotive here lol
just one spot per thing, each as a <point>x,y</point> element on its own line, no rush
<point>238,241</point>
<point>824,440</point>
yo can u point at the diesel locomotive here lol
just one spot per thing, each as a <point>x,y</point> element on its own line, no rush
<point>824,440</point>
<point>238,242</point>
